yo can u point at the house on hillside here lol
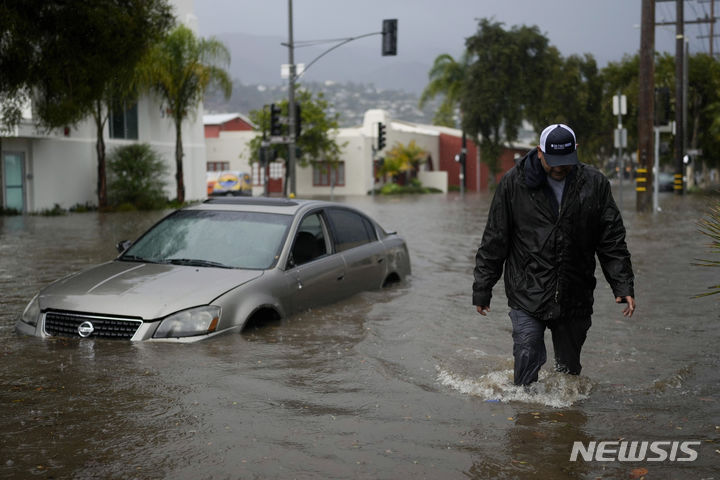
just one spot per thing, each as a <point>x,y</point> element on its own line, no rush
<point>40,169</point>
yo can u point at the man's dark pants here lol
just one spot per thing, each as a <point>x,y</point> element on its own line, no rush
<point>568,336</point>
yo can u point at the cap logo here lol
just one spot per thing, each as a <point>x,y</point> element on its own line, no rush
<point>557,142</point>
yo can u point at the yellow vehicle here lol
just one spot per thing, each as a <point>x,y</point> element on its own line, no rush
<point>229,183</point>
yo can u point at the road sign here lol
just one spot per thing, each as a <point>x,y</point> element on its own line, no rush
<point>285,70</point>
<point>621,138</point>
<point>619,105</point>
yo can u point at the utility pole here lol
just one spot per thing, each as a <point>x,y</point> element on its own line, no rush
<point>646,107</point>
<point>679,94</point>
<point>710,21</point>
<point>291,103</point>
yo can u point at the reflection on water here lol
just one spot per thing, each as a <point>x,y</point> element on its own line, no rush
<point>408,381</point>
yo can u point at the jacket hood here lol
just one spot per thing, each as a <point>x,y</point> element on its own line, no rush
<point>534,175</point>
<point>145,290</point>
<point>533,172</point>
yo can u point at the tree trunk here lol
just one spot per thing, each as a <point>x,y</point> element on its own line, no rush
<point>179,162</point>
<point>100,150</point>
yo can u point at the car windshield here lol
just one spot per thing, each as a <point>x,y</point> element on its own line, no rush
<point>213,239</point>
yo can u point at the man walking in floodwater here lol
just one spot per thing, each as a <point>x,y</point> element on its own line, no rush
<point>549,217</point>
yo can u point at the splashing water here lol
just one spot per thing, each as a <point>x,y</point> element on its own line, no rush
<point>553,389</point>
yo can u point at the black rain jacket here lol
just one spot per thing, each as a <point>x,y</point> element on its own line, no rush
<point>548,251</point>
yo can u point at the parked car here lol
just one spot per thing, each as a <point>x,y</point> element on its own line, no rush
<point>229,183</point>
<point>666,182</point>
<point>217,266</point>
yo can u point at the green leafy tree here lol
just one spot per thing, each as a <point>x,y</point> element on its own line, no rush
<point>703,99</point>
<point>505,80</point>
<point>704,107</point>
<point>137,177</point>
<point>574,96</point>
<point>70,55</point>
<point>179,70</point>
<point>65,53</point>
<point>316,143</point>
<point>447,76</point>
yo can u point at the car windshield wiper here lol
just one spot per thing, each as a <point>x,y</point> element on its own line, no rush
<point>194,262</point>
<point>135,258</point>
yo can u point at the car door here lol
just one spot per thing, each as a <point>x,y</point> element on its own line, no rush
<point>356,241</point>
<point>315,272</point>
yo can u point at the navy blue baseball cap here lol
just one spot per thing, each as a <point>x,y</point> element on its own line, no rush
<point>558,143</point>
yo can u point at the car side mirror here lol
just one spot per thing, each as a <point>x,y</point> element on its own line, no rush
<point>123,245</point>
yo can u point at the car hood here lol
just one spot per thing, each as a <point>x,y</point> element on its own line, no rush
<point>145,290</point>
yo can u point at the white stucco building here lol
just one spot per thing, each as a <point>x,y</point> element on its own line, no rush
<point>354,174</point>
<point>39,169</point>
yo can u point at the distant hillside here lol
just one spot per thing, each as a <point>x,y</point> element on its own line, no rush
<point>350,100</point>
<point>257,59</point>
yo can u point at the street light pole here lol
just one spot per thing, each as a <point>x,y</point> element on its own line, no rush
<point>291,103</point>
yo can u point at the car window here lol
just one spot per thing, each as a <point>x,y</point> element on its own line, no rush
<point>226,238</point>
<point>350,229</point>
<point>309,242</point>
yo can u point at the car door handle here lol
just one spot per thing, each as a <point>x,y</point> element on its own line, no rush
<point>380,260</point>
<point>340,277</point>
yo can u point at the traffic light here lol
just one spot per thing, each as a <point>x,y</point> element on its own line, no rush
<point>275,126</point>
<point>389,37</point>
<point>298,120</point>
<point>381,136</point>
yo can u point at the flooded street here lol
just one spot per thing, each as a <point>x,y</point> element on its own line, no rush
<point>407,382</point>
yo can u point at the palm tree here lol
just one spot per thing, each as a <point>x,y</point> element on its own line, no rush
<point>180,69</point>
<point>403,159</point>
<point>446,78</point>
<point>710,227</point>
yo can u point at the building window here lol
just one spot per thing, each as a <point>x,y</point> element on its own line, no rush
<point>325,176</point>
<point>277,170</point>
<point>217,166</point>
<point>124,121</point>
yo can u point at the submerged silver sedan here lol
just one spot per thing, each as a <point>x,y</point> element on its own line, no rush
<point>218,266</point>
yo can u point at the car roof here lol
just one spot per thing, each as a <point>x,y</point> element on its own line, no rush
<point>282,206</point>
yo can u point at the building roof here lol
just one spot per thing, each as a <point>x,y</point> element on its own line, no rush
<point>221,118</point>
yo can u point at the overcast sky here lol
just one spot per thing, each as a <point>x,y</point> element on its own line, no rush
<point>606,28</point>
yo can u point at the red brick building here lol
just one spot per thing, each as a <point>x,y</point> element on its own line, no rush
<point>450,144</point>
<point>225,122</point>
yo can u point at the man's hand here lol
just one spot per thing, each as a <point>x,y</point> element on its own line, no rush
<point>629,308</point>
<point>482,310</point>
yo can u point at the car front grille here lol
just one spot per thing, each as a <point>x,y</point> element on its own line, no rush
<point>67,324</point>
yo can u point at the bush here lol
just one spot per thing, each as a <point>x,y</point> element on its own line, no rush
<point>136,177</point>
<point>395,189</point>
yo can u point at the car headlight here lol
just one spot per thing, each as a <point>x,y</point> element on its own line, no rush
<point>194,321</point>
<point>32,312</point>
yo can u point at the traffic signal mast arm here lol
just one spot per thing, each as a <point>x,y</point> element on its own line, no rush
<point>389,34</point>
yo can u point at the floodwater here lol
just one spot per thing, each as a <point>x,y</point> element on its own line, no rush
<point>407,382</point>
